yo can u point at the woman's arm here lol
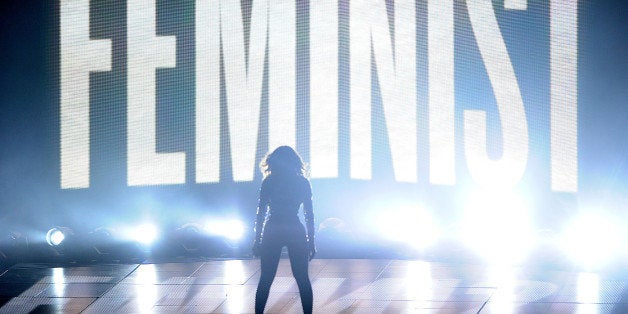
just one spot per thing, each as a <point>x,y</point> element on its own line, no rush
<point>262,208</point>
<point>308,212</point>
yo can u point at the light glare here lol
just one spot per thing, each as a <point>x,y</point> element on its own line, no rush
<point>413,225</point>
<point>497,225</point>
<point>55,236</point>
<point>591,240</point>
<point>145,234</point>
<point>146,288</point>
<point>231,229</point>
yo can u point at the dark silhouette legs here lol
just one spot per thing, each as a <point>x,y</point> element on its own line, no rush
<point>269,262</point>
<point>270,254</point>
<point>299,264</point>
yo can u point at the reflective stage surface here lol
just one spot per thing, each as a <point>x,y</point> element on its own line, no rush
<point>340,285</point>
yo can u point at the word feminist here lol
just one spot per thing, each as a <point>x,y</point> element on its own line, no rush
<point>220,33</point>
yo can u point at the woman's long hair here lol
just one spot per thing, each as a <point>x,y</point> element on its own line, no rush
<point>283,160</point>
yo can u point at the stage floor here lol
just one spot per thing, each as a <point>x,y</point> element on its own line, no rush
<point>340,285</point>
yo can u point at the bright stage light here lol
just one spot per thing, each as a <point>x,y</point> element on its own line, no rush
<point>410,224</point>
<point>231,229</point>
<point>591,240</point>
<point>55,236</point>
<point>497,225</point>
<point>145,234</point>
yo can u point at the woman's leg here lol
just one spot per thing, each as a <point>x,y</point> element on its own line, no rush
<point>269,259</point>
<point>299,263</point>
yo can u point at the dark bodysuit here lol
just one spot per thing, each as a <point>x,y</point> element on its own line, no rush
<point>281,196</point>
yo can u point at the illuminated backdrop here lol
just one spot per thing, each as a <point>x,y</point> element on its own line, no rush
<point>117,112</point>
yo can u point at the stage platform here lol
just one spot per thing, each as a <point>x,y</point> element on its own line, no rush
<point>340,285</point>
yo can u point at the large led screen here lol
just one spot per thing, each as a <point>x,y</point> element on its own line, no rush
<point>116,112</point>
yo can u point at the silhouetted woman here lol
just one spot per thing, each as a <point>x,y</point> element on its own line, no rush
<point>283,190</point>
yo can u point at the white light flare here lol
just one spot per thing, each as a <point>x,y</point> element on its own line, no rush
<point>58,281</point>
<point>146,288</point>
<point>418,283</point>
<point>55,236</point>
<point>503,299</point>
<point>232,229</point>
<point>588,288</point>
<point>588,293</point>
<point>412,224</point>
<point>497,225</point>
<point>145,234</point>
<point>591,240</point>
<point>234,278</point>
